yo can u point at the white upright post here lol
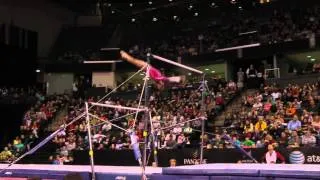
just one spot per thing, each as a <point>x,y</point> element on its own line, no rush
<point>275,65</point>
<point>93,175</point>
<point>202,111</point>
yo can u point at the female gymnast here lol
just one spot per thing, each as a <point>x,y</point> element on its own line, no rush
<point>154,73</point>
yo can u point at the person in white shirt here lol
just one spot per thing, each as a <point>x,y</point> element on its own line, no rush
<point>276,95</point>
<point>272,156</point>
<point>257,105</point>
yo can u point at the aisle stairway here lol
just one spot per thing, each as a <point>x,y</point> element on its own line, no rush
<point>233,107</point>
<point>58,120</point>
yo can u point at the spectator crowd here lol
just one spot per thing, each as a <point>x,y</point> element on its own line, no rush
<point>169,112</point>
<point>269,118</point>
<point>283,117</point>
<point>35,120</point>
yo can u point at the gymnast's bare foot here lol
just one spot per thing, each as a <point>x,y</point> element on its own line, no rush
<point>125,55</point>
<point>177,79</point>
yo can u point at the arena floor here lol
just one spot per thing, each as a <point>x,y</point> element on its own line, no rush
<point>199,172</point>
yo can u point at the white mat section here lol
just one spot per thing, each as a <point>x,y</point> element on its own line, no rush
<point>78,168</point>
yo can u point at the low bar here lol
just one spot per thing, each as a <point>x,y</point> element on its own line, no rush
<point>118,107</point>
<point>108,122</point>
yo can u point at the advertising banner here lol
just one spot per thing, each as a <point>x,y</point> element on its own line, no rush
<point>190,156</point>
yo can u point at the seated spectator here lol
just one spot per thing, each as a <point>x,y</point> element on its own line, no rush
<point>257,105</point>
<point>316,123</point>
<point>294,140</point>
<point>269,140</point>
<point>294,124</point>
<point>6,155</point>
<point>261,125</point>
<point>272,156</point>
<point>283,140</point>
<point>217,141</point>
<point>236,141</point>
<point>170,142</point>
<point>291,111</point>
<point>267,106</point>
<point>308,139</point>
<point>18,144</point>
<point>275,95</point>
<point>247,143</point>
<point>232,86</point>
<point>248,127</point>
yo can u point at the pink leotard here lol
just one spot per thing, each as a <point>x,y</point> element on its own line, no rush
<point>156,75</point>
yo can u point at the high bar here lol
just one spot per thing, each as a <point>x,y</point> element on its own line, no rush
<point>248,32</point>
<point>118,107</point>
<point>176,64</point>
<point>109,49</point>
<point>238,47</point>
<point>101,62</point>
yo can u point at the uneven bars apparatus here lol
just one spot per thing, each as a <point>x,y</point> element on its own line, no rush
<point>147,103</point>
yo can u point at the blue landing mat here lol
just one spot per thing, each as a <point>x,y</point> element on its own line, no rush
<point>241,171</point>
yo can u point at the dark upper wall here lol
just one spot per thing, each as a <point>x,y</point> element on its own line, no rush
<point>41,16</point>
